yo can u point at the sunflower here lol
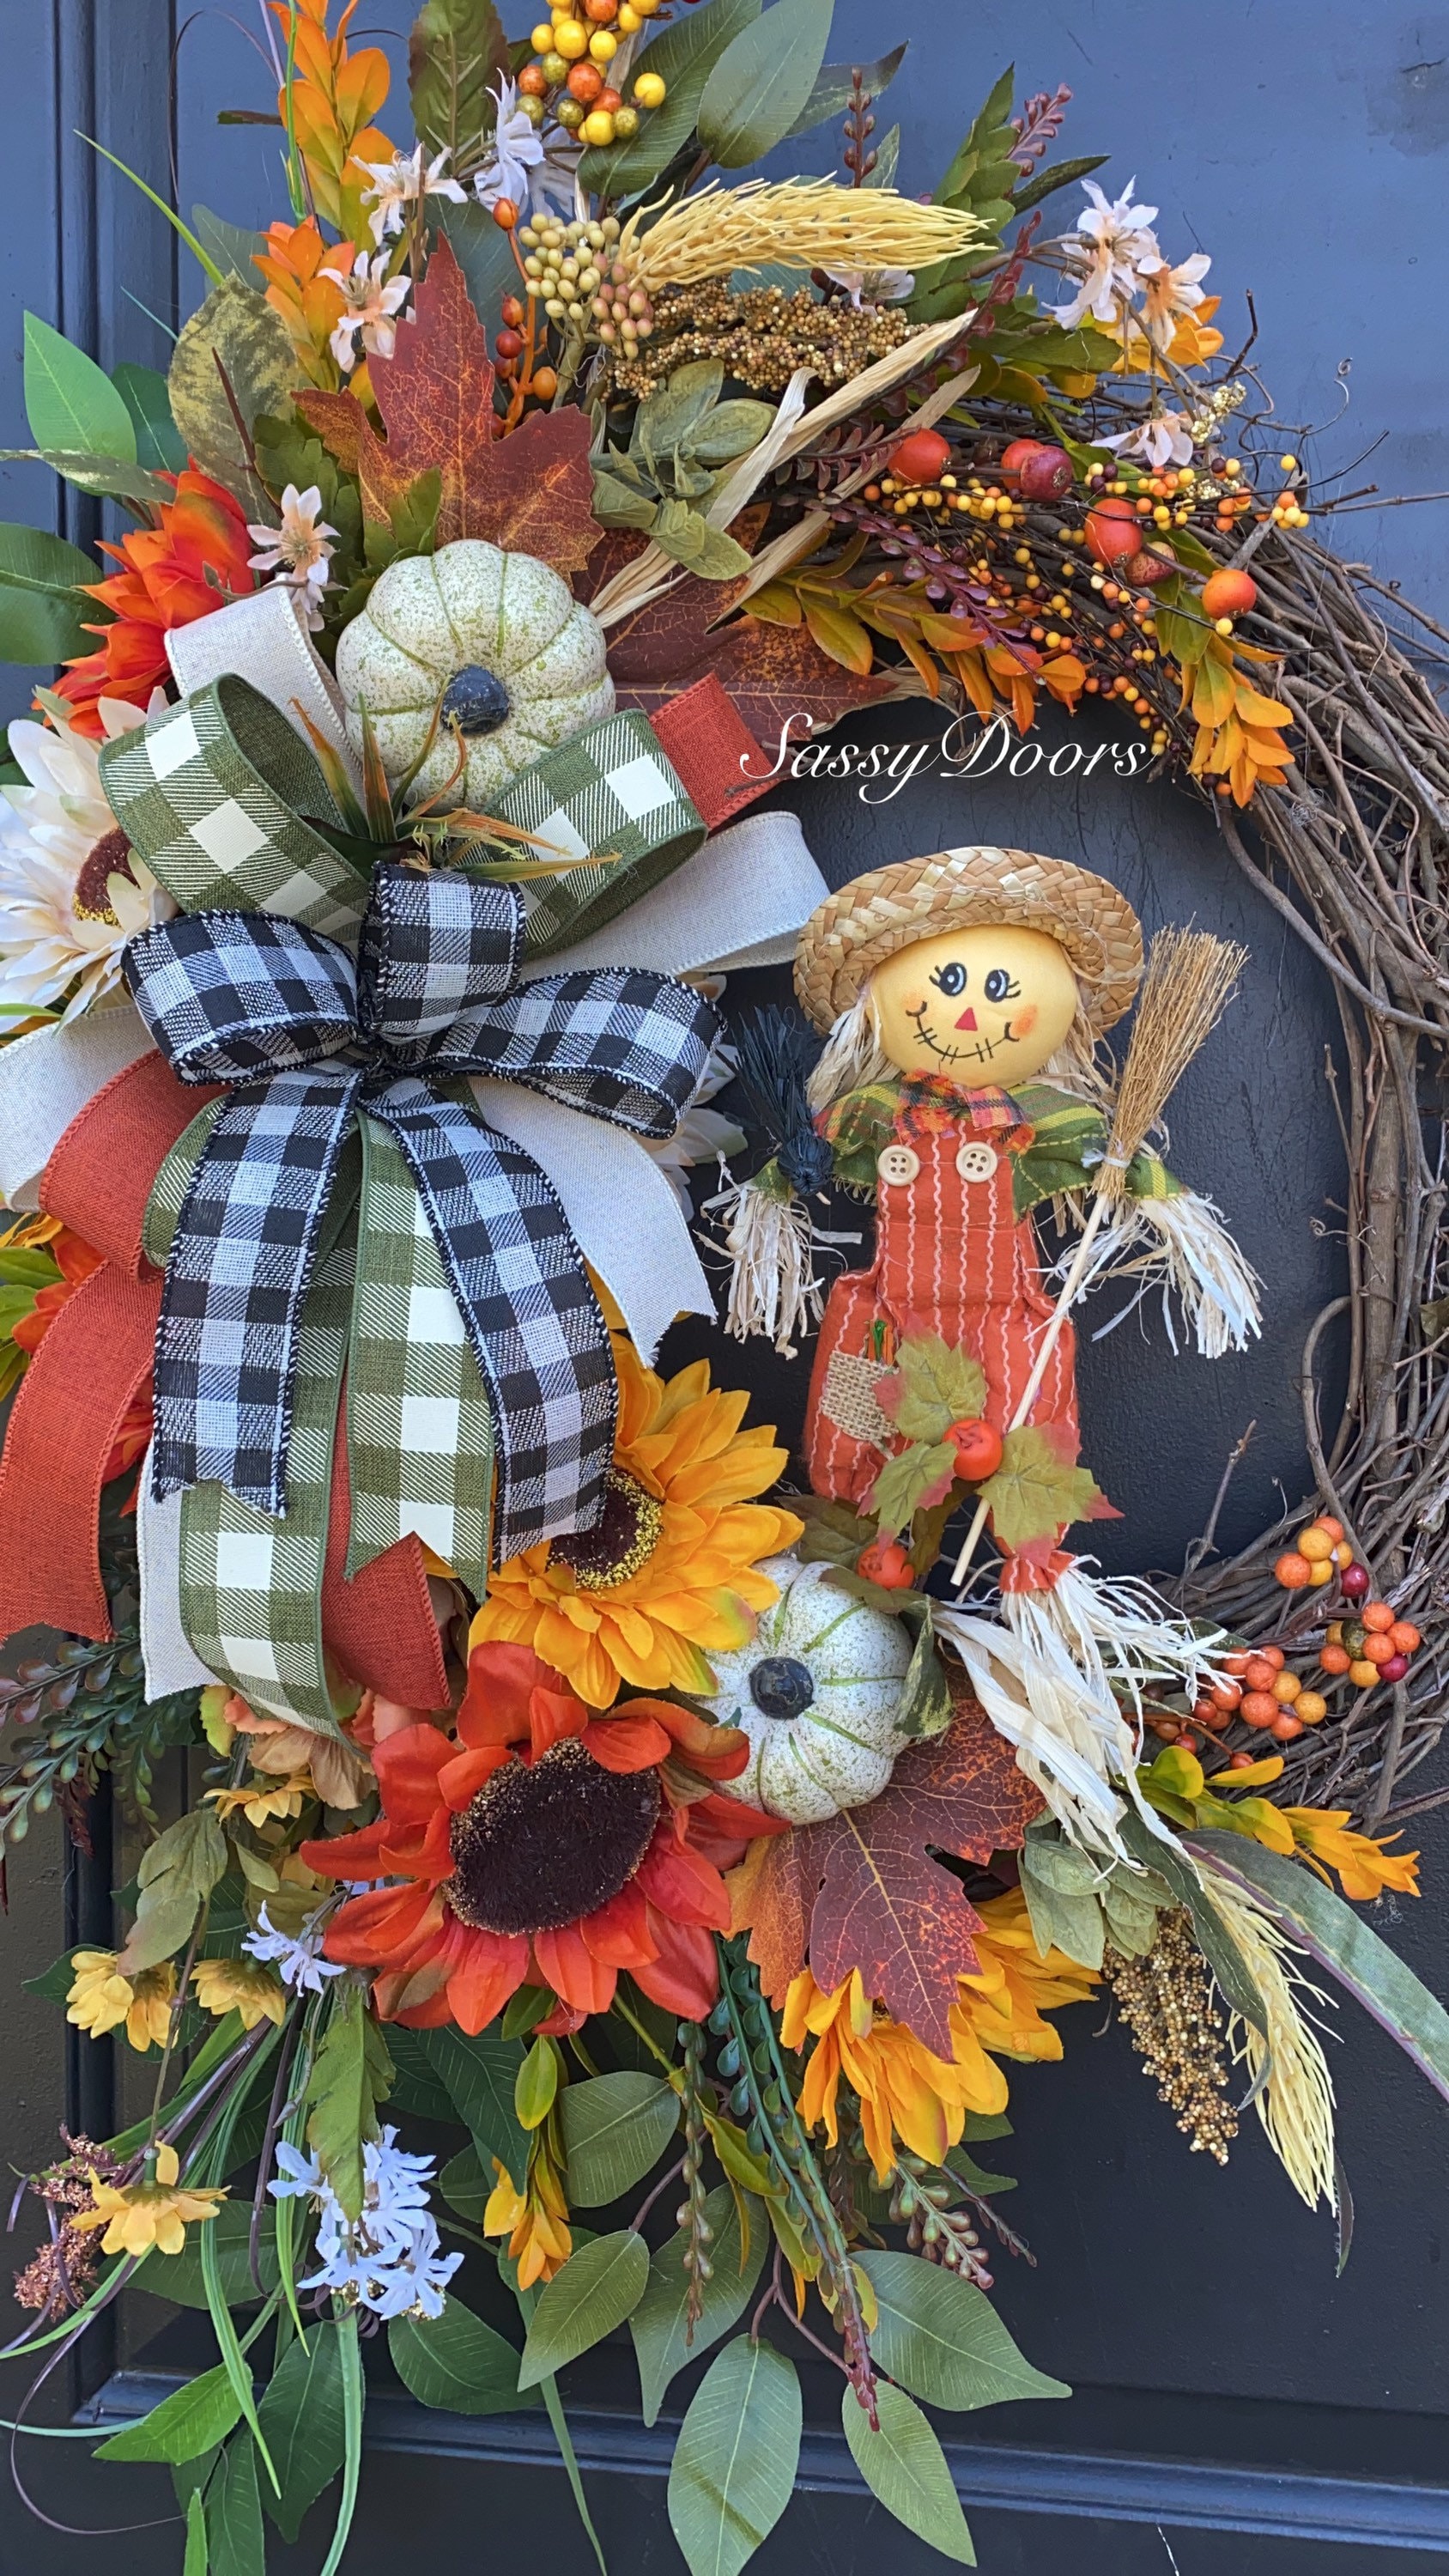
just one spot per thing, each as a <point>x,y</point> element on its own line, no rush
<point>540,1845</point>
<point>669,1571</point>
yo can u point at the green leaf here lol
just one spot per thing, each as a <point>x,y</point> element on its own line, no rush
<point>43,611</point>
<point>456,54</point>
<point>536,2085</point>
<point>984,147</point>
<point>904,2465</point>
<point>919,1476</point>
<point>231,246</point>
<point>976,2177</point>
<point>1061,175</point>
<point>1159,1852</point>
<point>734,2463</point>
<point>480,2074</point>
<point>615,2127</point>
<point>658,2323</point>
<point>530,2004</point>
<point>70,402</point>
<point>194,2562</point>
<point>351,2074</point>
<point>178,2276</point>
<point>931,1386</point>
<point>683,56</point>
<point>301,2416</point>
<point>456,2362</point>
<point>235,333</point>
<point>192,2419</point>
<point>1062,1918</point>
<point>887,159</point>
<point>178,1872</point>
<point>942,2339</point>
<point>234,2530</point>
<point>110,477</point>
<point>595,2291</point>
<point>1035,1492</point>
<point>707,552</point>
<point>466,2184</point>
<point>55,1984</point>
<point>924,1707</point>
<point>761,82</point>
<point>415,2085</point>
<point>835,88</point>
<point>1340,1939</point>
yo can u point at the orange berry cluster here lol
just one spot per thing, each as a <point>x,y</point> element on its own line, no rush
<point>1318,1553</point>
<point>573,52</point>
<point>1377,1646</point>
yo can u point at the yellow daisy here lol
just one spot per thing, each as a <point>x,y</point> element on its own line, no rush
<point>669,1573</point>
<point>156,2211</point>
<point>240,1985</point>
<point>100,1998</point>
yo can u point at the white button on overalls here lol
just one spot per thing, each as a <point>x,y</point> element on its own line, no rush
<point>976,1160</point>
<point>899,1164</point>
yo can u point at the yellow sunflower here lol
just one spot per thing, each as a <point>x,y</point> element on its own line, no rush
<point>668,1574</point>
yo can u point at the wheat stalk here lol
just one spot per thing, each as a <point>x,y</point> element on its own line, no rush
<point>1189,982</point>
<point>803,224</point>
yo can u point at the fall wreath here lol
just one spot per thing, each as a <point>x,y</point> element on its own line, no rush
<point>576,1773</point>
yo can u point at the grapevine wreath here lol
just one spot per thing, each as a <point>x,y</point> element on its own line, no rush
<point>701,1829</point>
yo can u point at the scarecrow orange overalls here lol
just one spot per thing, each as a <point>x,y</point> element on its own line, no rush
<point>952,1257</point>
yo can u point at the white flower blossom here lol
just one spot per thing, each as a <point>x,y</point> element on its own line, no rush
<point>373,305</point>
<point>403,182</point>
<point>1168,292</point>
<point>390,2260</point>
<point>874,285</point>
<point>298,551</point>
<point>1160,438</point>
<point>299,1963</point>
<point>531,172</point>
<point>1111,248</point>
<point>72,890</point>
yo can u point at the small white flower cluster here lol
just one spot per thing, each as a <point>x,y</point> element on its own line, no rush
<point>299,1963</point>
<point>389,2260</point>
<point>1114,253</point>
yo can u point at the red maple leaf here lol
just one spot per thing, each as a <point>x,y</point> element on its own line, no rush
<point>530,491</point>
<point>867,1894</point>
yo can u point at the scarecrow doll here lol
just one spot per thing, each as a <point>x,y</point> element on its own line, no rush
<point>964,996</point>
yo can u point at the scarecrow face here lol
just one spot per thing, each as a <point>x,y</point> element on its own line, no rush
<point>984,1005</point>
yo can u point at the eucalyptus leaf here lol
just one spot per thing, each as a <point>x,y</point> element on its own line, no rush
<point>1131,1917</point>
<point>456,2362</point>
<point>905,2467</point>
<point>705,551</point>
<point>301,2414</point>
<point>658,2324</point>
<point>238,336</point>
<point>733,2471</point>
<point>615,2127</point>
<point>1045,183</point>
<point>44,613</point>
<point>618,505</point>
<point>835,88</point>
<point>595,2291</point>
<point>70,402</point>
<point>762,81</point>
<point>230,246</point>
<point>192,2419</point>
<point>683,56</point>
<point>1340,1939</point>
<point>942,2339</point>
<point>235,2536</point>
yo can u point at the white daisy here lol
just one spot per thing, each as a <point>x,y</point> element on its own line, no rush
<point>373,305</point>
<point>403,182</point>
<point>1110,250</point>
<point>298,551</point>
<point>72,889</point>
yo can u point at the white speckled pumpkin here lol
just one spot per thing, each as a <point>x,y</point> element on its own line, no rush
<point>519,663</point>
<point>816,1691</point>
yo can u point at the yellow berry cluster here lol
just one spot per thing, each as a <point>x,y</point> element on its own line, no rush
<point>565,264</point>
<point>571,73</point>
<point>1287,510</point>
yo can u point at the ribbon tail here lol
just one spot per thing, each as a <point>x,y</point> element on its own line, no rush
<point>171,1661</point>
<point>237,1278</point>
<point>419,1420</point>
<point>534,1323</point>
<point>380,1625</point>
<point>72,1401</point>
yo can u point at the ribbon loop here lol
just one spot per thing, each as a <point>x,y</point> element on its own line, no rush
<point>229,995</point>
<point>433,945</point>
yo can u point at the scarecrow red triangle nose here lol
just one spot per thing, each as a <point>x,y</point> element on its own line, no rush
<point>967,1020</point>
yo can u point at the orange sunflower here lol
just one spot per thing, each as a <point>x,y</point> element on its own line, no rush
<point>669,1571</point>
<point>195,561</point>
<point>541,1845</point>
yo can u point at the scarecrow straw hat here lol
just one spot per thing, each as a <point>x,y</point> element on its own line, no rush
<point>857,928</point>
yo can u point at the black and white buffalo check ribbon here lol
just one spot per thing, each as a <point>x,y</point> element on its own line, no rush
<point>308,1040</point>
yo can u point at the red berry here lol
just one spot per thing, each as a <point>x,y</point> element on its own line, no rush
<point>1040,473</point>
<point>505,213</point>
<point>508,344</point>
<point>1229,594</point>
<point>1113,531</point>
<point>920,457</point>
<point>1144,570</point>
<point>1356,1582</point>
<point>512,311</point>
<point>1395,1669</point>
<point>885,1562</point>
<point>1241,1761</point>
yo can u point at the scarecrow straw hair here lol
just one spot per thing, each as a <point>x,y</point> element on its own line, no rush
<point>1189,983</point>
<point>1292,2087</point>
<point>814,224</point>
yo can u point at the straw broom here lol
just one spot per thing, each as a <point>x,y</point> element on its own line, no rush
<point>1189,982</point>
